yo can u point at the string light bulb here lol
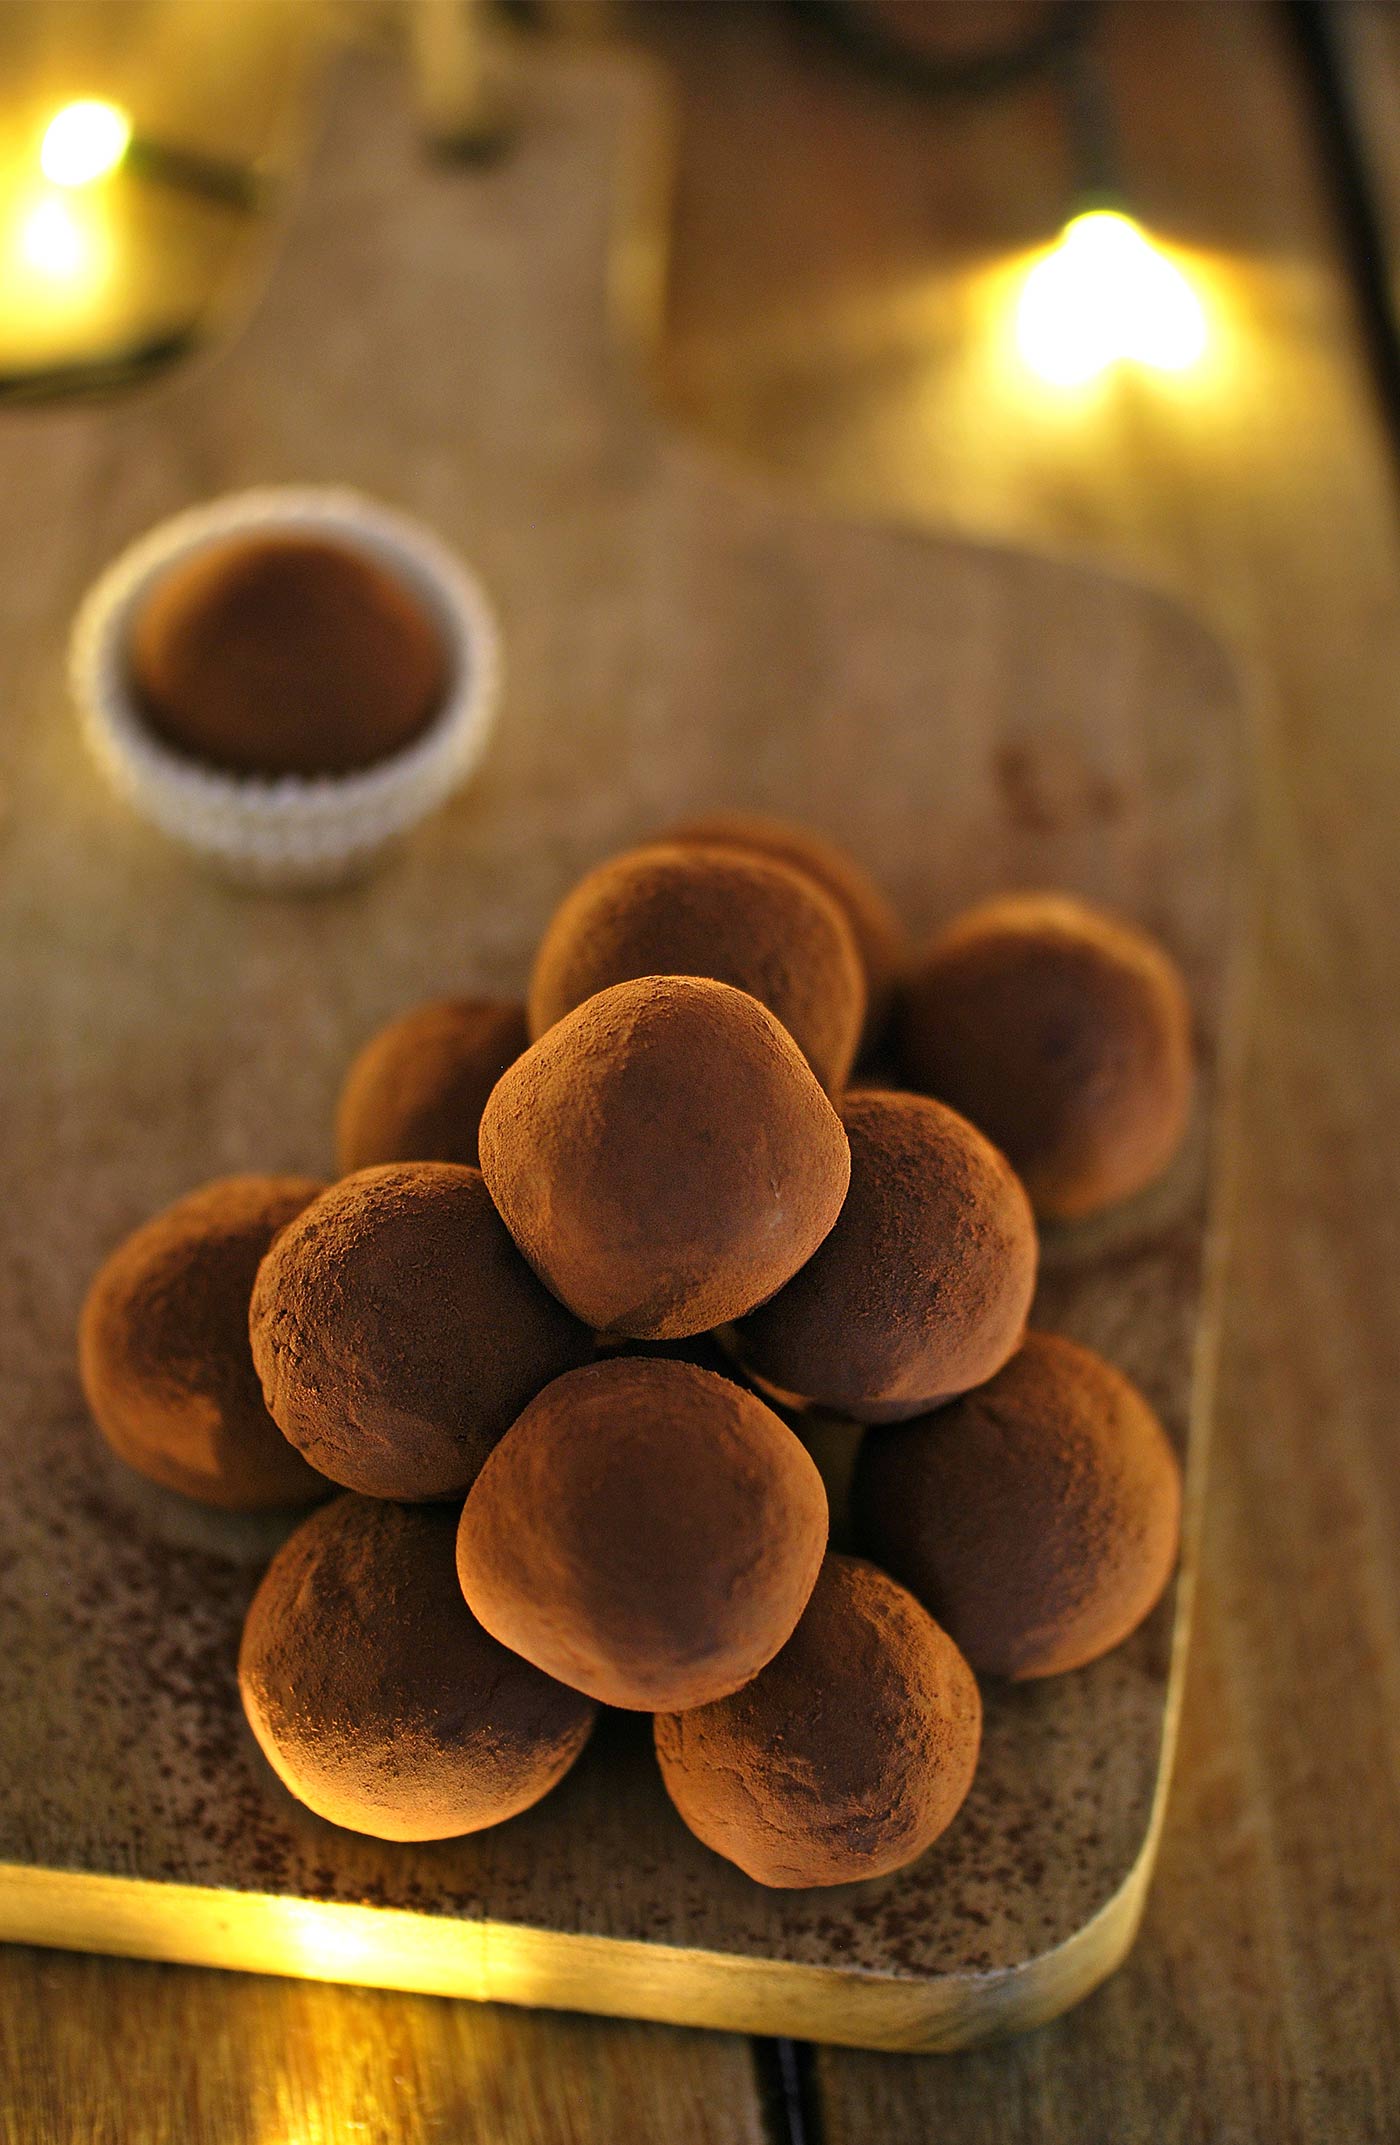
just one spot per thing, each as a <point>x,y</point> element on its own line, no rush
<point>84,142</point>
<point>1104,295</point>
<point>51,243</point>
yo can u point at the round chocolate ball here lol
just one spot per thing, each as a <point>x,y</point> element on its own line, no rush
<point>878,932</point>
<point>374,1692</point>
<point>417,1090</point>
<point>286,655</point>
<point>664,1157</point>
<point>163,1349</point>
<point>398,1333</point>
<point>1038,1518</point>
<point>1066,1035</point>
<point>847,1755</point>
<point>647,1532</point>
<point>678,909</point>
<point>921,1289</point>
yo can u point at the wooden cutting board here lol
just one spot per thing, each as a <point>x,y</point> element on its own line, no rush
<point>678,637</point>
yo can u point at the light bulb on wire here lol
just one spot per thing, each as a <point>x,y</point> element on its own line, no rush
<point>1105,295</point>
<point>84,142</point>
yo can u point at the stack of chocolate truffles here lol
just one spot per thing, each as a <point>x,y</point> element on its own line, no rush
<point>548,1357</point>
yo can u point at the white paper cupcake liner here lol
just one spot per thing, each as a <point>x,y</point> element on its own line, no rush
<point>288,831</point>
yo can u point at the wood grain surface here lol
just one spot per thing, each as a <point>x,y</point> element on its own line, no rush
<point>836,334</point>
<point>968,718</point>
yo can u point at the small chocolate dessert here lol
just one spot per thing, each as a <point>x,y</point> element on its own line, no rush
<point>417,1089</point>
<point>398,1333</point>
<point>879,934</point>
<point>163,1349</point>
<point>286,655</point>
<point>847,1755</point>
<point>678,909</point>
<point>921,1289</point>
<point>647,1532</point>
<point>1064,1034</point>
<point>1037,1518</point>
<point>374,1692</point>
<point>664,1157</point>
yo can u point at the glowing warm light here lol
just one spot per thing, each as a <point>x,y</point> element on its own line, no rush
<point>52,242</point>
<point>1102,295</point>
<point>84,142</point>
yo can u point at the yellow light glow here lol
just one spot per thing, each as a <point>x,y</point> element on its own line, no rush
<point>52,242</point>
<point>84,142</point>
<point>1103,295</point>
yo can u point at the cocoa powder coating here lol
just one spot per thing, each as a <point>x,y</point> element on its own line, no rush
<point>286,655</point>
<point>664,1157</point>
<point>374,1692</point>
<point>923,1286</point>
<point>879,935</point>
<point>1066,1035</point>
<point>647,1532</point>
<point>417,1089</point>
<point>164,1356</point>
<point>1038,1518</point>
<point>847,1755</point>
<point>678,909</point>
<point>398,1333</point>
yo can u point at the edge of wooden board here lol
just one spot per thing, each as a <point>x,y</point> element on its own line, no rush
<point>498,1962</point>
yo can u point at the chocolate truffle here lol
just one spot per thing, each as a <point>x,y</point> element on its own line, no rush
<point>1037,1518</point>
<point>163,1349</point>
<point>286,655</point>
<point>1064,1034</point>
<point>398,1332</point>
<point>678,909</point>
<point>878,932</point>
<point>647,1532</point>
<point>374,1692</point>
<point>847,1756</point>
<point>417,1090</point>
<point>921,1289</point>
<point>664,1157</point>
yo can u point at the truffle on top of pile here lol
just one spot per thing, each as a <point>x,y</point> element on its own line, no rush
<point>664,1157</point>
<point>681,909</point>
<point>1065,1034</point>
<point>164,1356</point>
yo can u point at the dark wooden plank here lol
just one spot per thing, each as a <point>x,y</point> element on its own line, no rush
<point>112,2052</point>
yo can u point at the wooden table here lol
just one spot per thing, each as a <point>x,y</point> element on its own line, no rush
<point>840,249</point>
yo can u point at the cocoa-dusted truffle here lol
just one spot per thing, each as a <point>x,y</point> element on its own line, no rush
<point>417,1089</point>
<point>678,909</point>
<point>286,655</point>
<point>664,1157</point>
<point>647,1532</point>
<point>163,1349</point>
<point>847,1756</point>
<point>922,1288</point>
<point>1066,1035</point>
<point>878,932</point>
<point>398,1332</point>
<point>1037,1518</point>
<point>376,1695</point>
